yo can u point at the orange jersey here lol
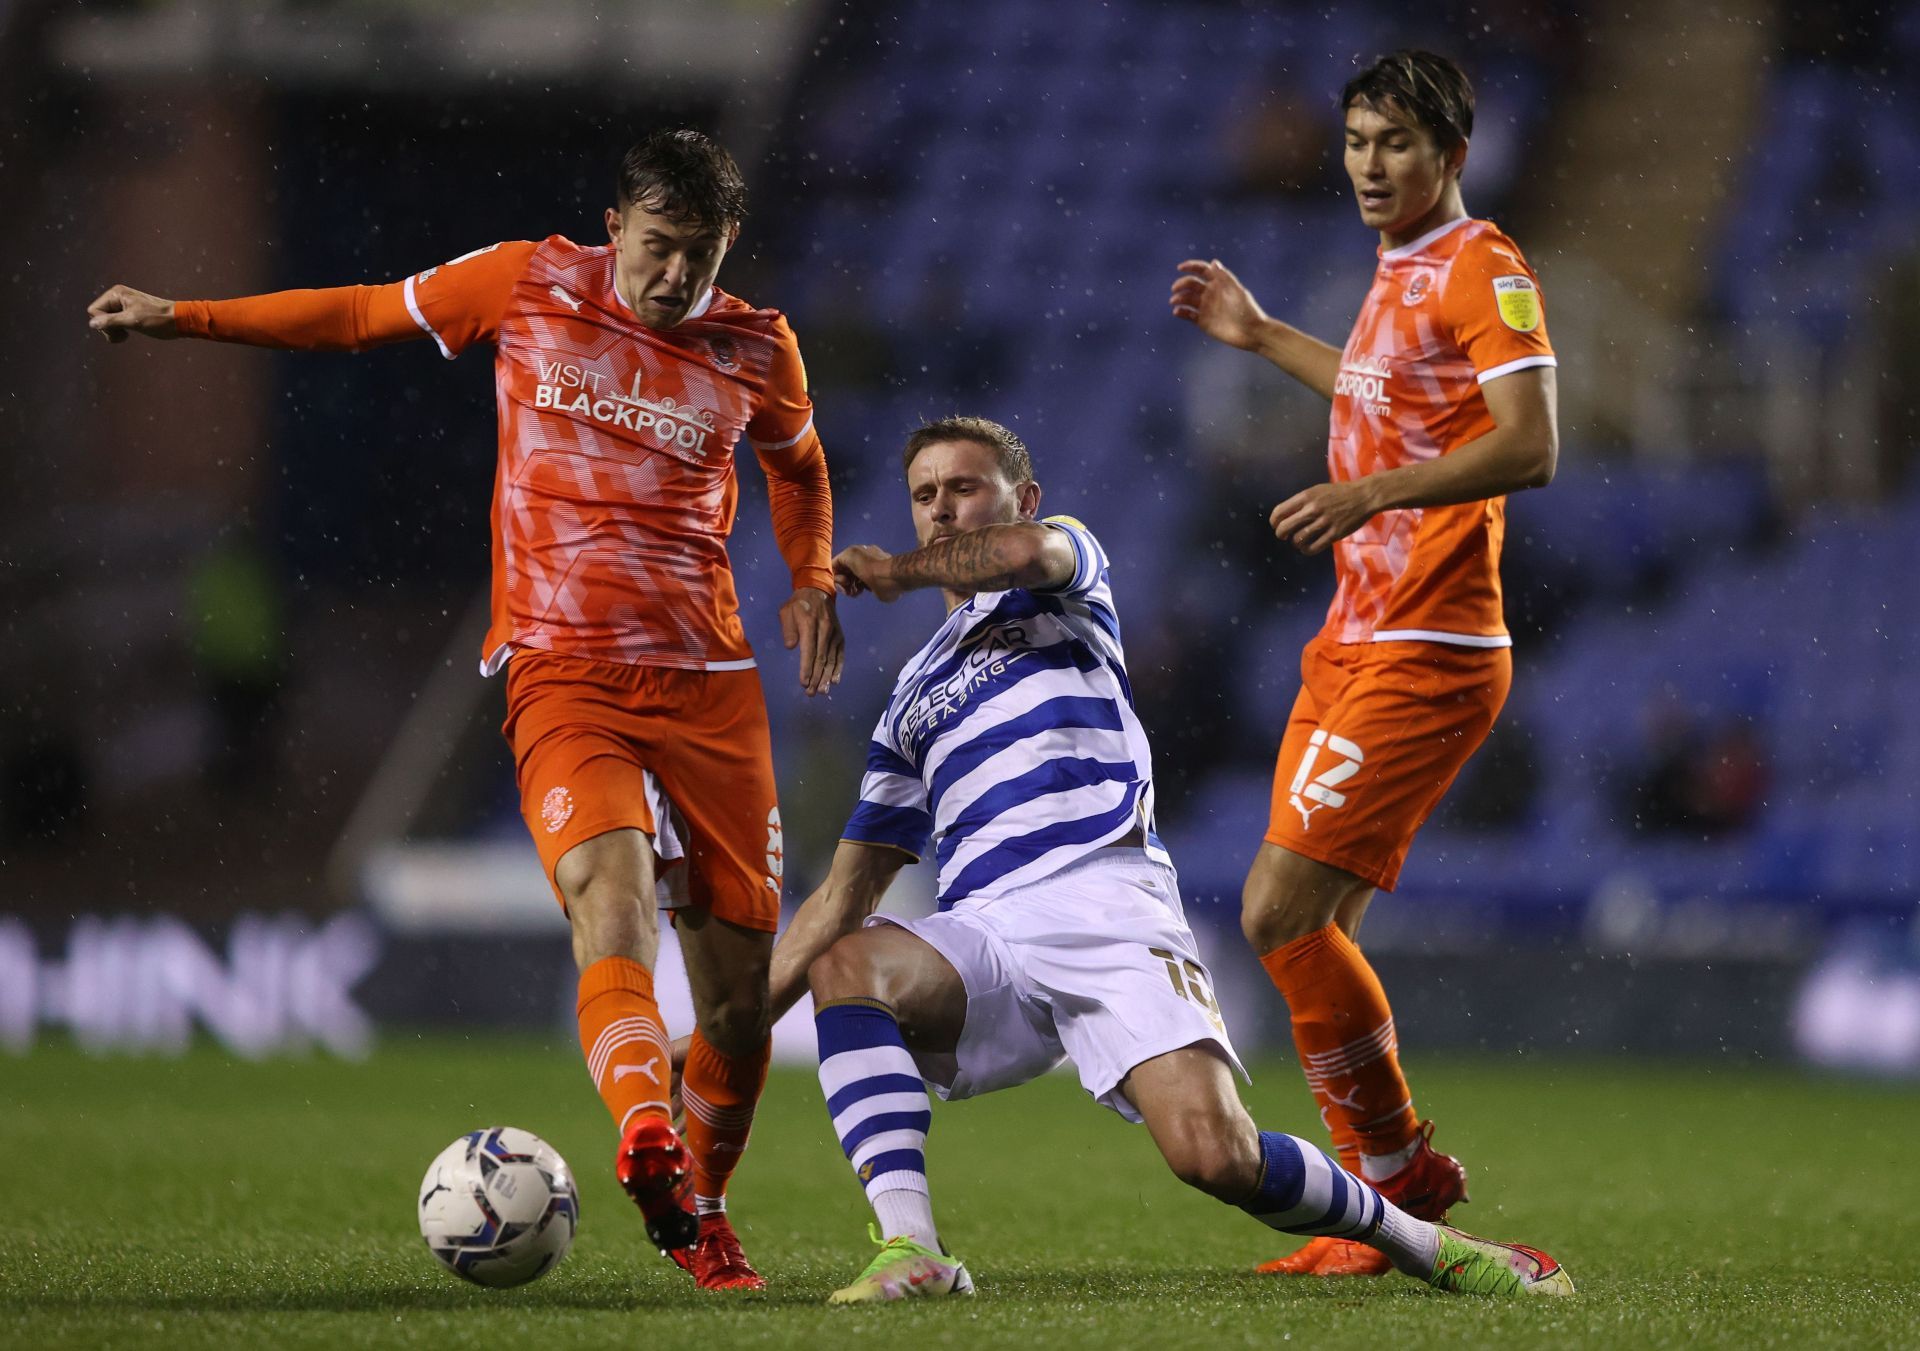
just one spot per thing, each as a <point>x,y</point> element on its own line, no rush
<point>615,489</point>
<point>1446,314</point>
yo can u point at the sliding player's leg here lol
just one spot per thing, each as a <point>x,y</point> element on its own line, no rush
<point>607,885</point>
<point>886,1004</point>
<point>726,1069</point>
<point>1187,1099</point>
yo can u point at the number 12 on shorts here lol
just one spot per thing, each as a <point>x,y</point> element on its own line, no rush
<point>1319,788</point>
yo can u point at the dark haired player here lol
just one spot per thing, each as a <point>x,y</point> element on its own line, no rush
<point>1443,401</point>
<point>625,379</point>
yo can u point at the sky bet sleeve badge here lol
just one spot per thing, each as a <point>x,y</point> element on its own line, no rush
<point>1519,303</point>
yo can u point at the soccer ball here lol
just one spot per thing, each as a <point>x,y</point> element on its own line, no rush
<point>498,1206</point>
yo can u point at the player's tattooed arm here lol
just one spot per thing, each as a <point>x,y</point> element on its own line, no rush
<point>855,886</point>
<point>992,558</point>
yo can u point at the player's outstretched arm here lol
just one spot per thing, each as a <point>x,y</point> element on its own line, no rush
<point>1521,451</point>
<point>855,886</point>
<point>339,318</point>
<point>992,558</point>
<point>1207,295</point>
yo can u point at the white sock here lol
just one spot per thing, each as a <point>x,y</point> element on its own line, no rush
<point>1379,1167</point>
<point>906,1213</point>
<point>1411,1245</point>
<point>709,1205</point>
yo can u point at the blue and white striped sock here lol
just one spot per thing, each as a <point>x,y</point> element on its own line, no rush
<point>1304,1191</point>
<point>880,1112</point>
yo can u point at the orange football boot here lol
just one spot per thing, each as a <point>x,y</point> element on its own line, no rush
<point>1301,1261</point>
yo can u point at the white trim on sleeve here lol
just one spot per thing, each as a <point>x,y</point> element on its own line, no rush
<point>413,308</point>
<point>1440,636</point>
<point>746,665</point>
<point>1509,367</point>
<point>793,440</point>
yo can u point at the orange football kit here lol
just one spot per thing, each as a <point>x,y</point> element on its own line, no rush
<point>632,698</point>
<point>1403,683</point>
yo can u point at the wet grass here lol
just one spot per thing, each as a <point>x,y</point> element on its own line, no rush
<point>208,1202</point>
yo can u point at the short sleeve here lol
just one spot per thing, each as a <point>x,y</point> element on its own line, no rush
<point>785,411</point>
<point>1089,559</point>
<point>893,802</point>
<point>1493,307</point>
<point>461,302</point>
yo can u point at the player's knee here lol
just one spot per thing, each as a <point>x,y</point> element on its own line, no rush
<point>1212,1154</point>
<point>737,1024</point>
<point>843,971</point>
<point>1281,902</point>
<point>1276,925</point>
<point>608,920</point>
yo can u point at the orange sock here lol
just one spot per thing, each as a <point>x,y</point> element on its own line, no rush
<point>623,1038</point>
<point>719,1093</point>
<point>1343,1030</point>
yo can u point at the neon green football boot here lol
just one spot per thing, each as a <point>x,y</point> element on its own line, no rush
<point>1476,1266</point>
<point>903,1269</point>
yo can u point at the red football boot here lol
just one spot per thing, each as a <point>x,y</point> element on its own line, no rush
<point>716,1261</point>
<point>1430,1184</point>
<point>656,1170</point>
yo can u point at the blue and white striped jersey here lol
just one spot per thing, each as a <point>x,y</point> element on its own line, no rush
<point>1011,739</point>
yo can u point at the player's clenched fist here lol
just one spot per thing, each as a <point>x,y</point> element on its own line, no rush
<point>1208,295</point>
<point>121,310</point>
<point>863,568</point>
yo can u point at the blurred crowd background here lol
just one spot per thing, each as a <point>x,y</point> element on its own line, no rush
<point>239,589</point>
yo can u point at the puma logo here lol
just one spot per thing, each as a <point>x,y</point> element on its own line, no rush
<point>650,1069</point>
<point>1351,1102</point>
<point>572,302</point>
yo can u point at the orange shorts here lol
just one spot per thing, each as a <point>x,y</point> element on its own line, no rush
<point>1377,735</point>
<point>682,755</point>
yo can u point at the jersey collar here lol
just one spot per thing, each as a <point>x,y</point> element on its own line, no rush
<point>1408,250</point>
<point>700,307</point>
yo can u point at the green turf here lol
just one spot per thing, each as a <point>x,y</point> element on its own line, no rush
<point>205,1202</point>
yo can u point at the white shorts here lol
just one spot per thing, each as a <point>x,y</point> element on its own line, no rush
<point>1095,964</point>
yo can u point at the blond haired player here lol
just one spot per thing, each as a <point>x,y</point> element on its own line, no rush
<point>625,379</point>
<point>1443,401</point>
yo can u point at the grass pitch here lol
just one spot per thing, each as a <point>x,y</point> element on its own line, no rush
<point>206,1202</point>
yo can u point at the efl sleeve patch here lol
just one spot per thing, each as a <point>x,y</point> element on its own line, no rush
<point>1519,302</point>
